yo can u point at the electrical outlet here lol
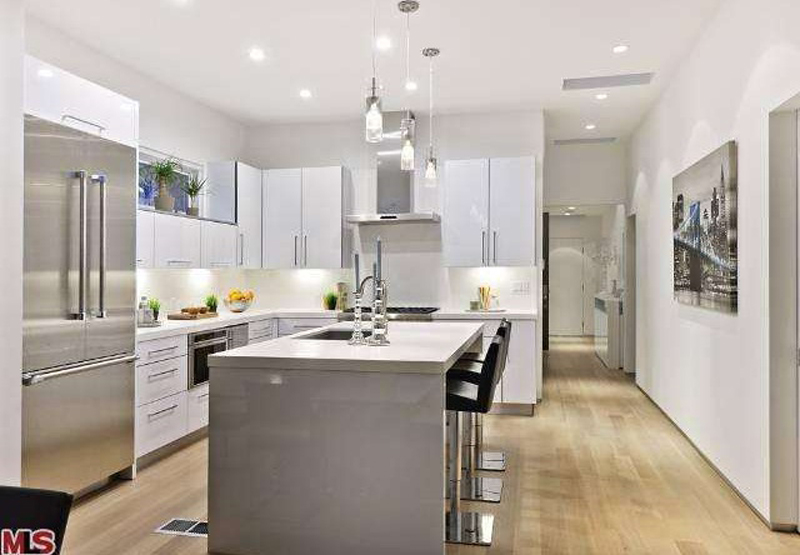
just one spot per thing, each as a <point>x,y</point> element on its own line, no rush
<point>521,288</point>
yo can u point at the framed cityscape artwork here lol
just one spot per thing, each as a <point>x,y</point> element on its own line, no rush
<point>704,232</point>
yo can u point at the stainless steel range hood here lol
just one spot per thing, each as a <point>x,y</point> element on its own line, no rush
<point>395,187</point>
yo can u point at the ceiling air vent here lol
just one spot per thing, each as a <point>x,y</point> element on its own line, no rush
<point>608,81</point>
<point>593,141</point>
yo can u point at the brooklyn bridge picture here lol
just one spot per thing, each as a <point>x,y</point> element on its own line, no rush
<point>705,266</point>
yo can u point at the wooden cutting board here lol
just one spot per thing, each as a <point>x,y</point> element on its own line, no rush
<point>187,316</point>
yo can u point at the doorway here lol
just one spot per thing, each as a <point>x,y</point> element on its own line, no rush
<point>629,297</point>
<point>567,287</point>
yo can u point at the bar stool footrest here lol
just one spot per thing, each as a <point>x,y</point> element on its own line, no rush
<point>469,528</point>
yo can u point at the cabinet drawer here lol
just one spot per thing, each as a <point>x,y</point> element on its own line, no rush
<point>161,349</point>
<point>197,408</point>
<point>260,328</point>
<point>160,423</point>
<point>296,325</point>
<point>161,379</point>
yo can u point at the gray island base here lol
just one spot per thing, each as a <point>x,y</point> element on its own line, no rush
<point>319,447</point>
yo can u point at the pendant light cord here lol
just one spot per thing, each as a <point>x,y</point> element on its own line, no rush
<point>430,105</point>
<point>373,46</point>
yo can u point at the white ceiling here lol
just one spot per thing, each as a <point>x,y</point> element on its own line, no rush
<point>498,55</point>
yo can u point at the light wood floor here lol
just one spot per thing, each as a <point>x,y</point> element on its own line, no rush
<point>598,470</point>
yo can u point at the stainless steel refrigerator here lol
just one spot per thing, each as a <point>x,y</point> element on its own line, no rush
<point>79,307</point>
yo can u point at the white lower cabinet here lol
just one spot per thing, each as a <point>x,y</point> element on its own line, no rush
<point>160,379</point>
<point>160,423</point>
<point>197,408</point>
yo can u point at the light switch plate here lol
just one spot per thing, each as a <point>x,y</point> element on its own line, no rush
<point>521,288</point>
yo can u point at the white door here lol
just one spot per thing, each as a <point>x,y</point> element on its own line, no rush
<point>466,213</point>
<point>145,239</point>
<point>219,245</point>
<point>248,198</point>
<point>282,218</point>
<point>322,218</point>
<point>512,213</point>
<point>566,287</point>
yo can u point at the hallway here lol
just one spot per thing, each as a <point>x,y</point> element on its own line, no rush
<point>604,471</point>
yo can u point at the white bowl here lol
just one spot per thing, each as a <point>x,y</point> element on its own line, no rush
<point>237,306</point>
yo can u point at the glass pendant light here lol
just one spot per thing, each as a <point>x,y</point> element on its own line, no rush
<point>431,164</point>
<point>373,117</point>
<point>407,125</point>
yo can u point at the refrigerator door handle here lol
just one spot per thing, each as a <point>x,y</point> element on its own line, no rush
<point>69,370</point>
<point>83,236</point>
<point>102,182</point>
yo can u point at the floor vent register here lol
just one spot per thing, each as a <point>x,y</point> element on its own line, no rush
<point>184,527</point>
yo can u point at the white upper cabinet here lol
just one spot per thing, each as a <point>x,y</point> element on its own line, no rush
<point>303,218</point>
<point>56,95</point>
<point>178,242</point>
<point>512,214</point>
<point>145,239</point>
<point>283,209</point>
<point>248,210</point>
<point>489,212</point>
<point>466,212</point>
<point>218,245</point>
<point>322,217</point>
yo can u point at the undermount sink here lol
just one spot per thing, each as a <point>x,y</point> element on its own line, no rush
<point>333,335</point>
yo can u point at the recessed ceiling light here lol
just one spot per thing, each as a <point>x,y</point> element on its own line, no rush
<point>45,73</point>
<point>601,96</point>
<point>571,208</point>
<point>257,54</point>
<point>383,43</point>
<point>590,127</point>
<point>305,93</point>
<point>567,214</point>
<point>411,86</point>
<point>620,49</point>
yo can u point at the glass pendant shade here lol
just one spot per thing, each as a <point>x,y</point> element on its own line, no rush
<point>431,169</point>
<point>407,156</point>
<point>374,119</point>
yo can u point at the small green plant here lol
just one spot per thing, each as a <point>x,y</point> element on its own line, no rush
<point>155,306</point>
<point>194,187</point>
<point>330,299</point>
<point>164,171</point>
<point>212,302</point>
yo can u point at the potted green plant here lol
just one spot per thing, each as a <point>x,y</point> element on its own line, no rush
<point>164,173</point>
<point>155,306</point>
<point>212,302</point>
<point>329,300</point>
<point>193,189</point>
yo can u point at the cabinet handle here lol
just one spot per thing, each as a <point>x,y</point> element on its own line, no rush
<point>305,250</point>
<point>103,185</point>
<point>178,261</point>
<point>164,373</point>
<point>162,411</point>
<point>164,350</point>
<point>83,258</point>
<point>494,248</point>
<point>241,249</point>
<point>220,264</point>
<point>99,127</point>
<point>295,250</point>
<point>483,247</point>
<point>203,396</point>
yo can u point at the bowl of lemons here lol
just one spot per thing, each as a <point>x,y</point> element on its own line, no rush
<point>238,301</point>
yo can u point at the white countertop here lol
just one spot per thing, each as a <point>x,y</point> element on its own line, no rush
<point>416,347</point>
<point>169,328</point>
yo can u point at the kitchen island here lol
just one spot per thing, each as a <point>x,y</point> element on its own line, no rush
<point>317,446</point>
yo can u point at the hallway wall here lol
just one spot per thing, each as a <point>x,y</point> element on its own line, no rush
<point>709,371</point>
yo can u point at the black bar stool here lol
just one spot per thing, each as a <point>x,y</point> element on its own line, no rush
<point>468,368</point>
<point>35,509</point>
<point>465,397</point>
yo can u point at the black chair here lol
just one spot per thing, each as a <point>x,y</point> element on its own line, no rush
<point>35,509</point>
<point>468,368</point>
<point>466,397</point>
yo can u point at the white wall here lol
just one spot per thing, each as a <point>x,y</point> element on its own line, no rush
<point>709,371</point>
<point>585,174</point>
<point>414,261</point>
<point>11,201</point>
<point>169,122</point>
